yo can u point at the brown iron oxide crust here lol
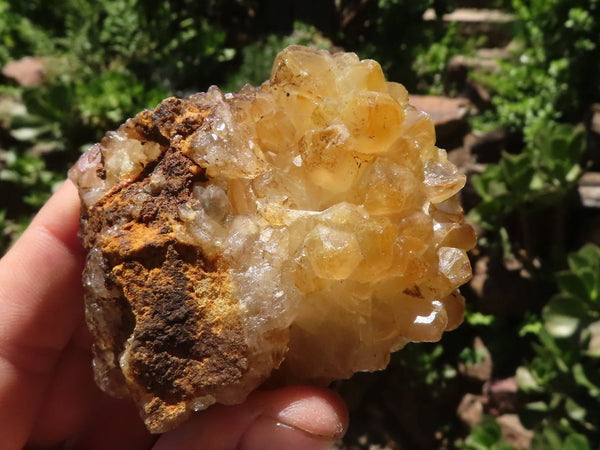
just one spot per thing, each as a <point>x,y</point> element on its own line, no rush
<point>180,339</point>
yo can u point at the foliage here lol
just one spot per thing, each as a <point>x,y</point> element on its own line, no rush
<point>550,75</point>
<point>432,61</point>
<point>177,36</point>
<point>540,176</point>
<point>551,438</point>
<point>431,366</point>
<point>485,436</point>
<point>19,36</point>
<point>563,380</point>
<point>546,82</point>
<point>488,436</point>
<point>31,175</point>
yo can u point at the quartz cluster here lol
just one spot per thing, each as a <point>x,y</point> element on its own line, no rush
<point>301,230</point>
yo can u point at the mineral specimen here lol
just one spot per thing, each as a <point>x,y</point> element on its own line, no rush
<point>302,230</point>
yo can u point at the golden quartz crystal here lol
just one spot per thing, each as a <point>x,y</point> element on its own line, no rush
<point>299,231</point>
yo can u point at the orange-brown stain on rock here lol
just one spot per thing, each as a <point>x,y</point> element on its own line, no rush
<point>187,338</point>
<point>187,334</point>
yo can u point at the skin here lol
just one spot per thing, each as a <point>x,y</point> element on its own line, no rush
<point>48,398</point>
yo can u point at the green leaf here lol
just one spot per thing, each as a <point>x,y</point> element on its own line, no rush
<point>533,327</point>
<point>582,379</point>
<point>526,382</point>
<point>517,171</point>
<point>575,411</point>
<point>576,442</point>
<point>538,406</point>
<point>577,145</point>
<point>556,400</point>
<point>478,318</point>
<point>25,134</point>
<point>589,278</point>
<point>552,438</point>
<point>588,255</point>
<point>573,174</point>
<point>563,314</point>
<point>586,265</point>
<point>570,283</point>
<point>497,188</point>
<point>489,184</point>
<point>449,372</point>
<point>537,182</point>
<point>487,435</point>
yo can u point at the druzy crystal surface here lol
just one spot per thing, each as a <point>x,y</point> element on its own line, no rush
<point>299,231</point>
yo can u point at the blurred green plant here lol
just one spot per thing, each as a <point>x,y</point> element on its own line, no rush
<point>485,436</point>
<point>541,176</point>
<point>551,438</point>
<point>30,174</point>
<point>431,365</point>
<point>546,81</point>
<point>19,36</point>
<point>562,382</point>
<point>170,43</point>
<point>431,63</point>
<point>550,75</point>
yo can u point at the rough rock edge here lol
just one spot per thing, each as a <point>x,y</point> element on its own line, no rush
<point>176,343</point>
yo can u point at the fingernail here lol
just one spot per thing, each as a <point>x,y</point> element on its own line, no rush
<point>266,433</point>
<point>313,415</point>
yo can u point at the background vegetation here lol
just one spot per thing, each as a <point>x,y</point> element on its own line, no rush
<point>530,344</point>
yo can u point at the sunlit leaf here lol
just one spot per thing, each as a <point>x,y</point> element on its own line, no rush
<point>563,315</point>
<point>575,411</point>
<point>525,381</point>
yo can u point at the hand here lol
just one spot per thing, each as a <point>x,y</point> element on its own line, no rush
<point>48,398</point>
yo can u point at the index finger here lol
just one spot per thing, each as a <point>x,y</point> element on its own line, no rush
<point>40,307</point>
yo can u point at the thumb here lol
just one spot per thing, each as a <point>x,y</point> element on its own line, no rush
<point>301,417</point>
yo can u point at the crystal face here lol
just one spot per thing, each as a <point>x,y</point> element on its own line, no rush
<point>302,231</point>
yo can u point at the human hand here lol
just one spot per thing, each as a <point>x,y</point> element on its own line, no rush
<point>48,398</point>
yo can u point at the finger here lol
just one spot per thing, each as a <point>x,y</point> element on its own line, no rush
<point>292,418</point>
<point>69,399</point>
<point>40,305</point>
<point>114,425</point>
